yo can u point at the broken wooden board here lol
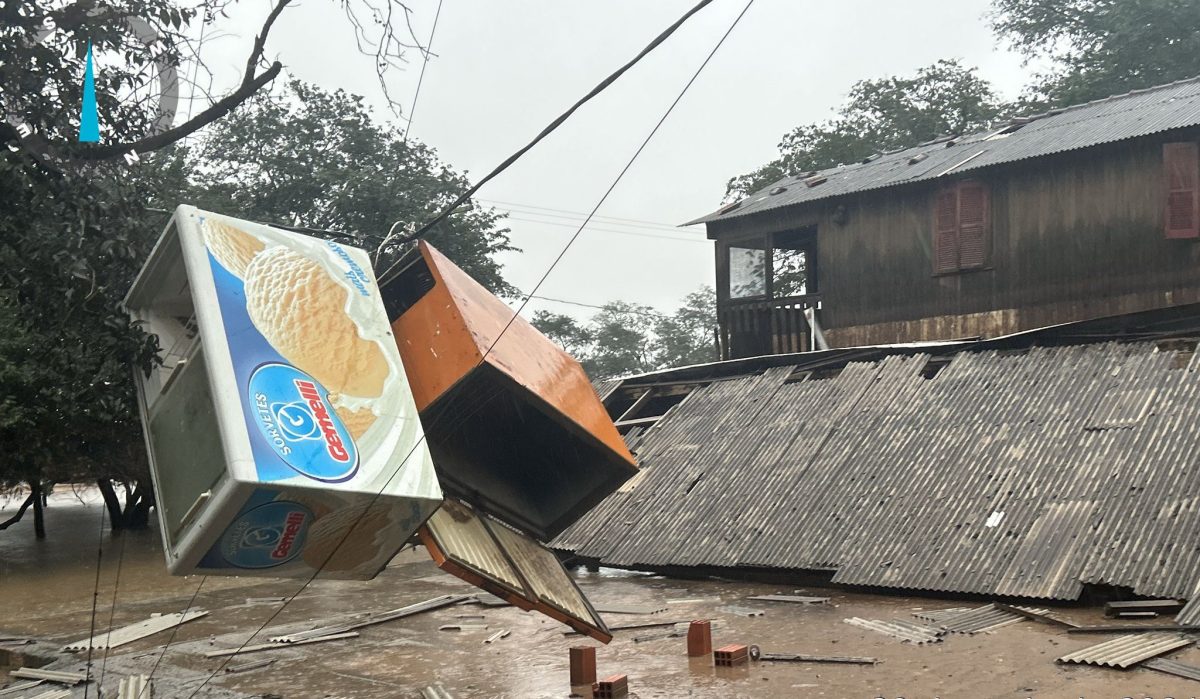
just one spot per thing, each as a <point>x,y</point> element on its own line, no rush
<point>618,608</point>
<point>796,658</point>
<point>133,632</point>
<point>795,599</point>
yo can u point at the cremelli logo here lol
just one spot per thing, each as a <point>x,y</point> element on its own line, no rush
<point>89,119</point>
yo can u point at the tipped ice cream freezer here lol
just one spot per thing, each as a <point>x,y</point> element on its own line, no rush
<point>282,430</point>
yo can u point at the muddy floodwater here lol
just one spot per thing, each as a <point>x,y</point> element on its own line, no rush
<point>46,592</point>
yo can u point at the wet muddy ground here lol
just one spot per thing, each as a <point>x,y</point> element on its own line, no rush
<point>46,591</point>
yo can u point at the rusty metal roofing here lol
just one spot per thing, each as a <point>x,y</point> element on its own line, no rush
<point>1023,473</point>
<point>1129,650</point>
<point>1116,118</point>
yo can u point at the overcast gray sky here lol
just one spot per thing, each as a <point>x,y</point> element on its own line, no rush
<point>505,68</point>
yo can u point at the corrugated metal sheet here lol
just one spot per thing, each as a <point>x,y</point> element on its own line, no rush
<point>1172,667</point>
<point>907,631</point>
<point>990,478</point>
<point>1190,614</point>
<point>1128,651</point>
<point>981,620</point>
<point>1118,118</point>
<point>935,616</point>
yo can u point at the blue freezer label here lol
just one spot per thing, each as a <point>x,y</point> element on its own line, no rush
<point>266,536</point>
<point>301,425</point>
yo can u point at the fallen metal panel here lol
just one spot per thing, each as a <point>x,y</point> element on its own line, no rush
<point>618,608</point>
<point>986,618</point>
<point>370,619</point>
<point>1172,667</point>
<point>790,598</point>
<point>32,673</point>
<point>275,646</point>
<point>793,658</point>
<point>436,691</point>
<point>135,687</point>
<point>53,694</point>
<point>907,631</point>
<point>133,632</point>
<point>21,687</point>
<point>935,616</point>
<point>1127,651</point>
<point>1044,617</point>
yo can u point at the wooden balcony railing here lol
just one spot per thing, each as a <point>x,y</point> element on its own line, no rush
<point>753,327</point>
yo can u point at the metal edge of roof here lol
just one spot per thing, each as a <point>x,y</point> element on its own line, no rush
<point>729,212</point>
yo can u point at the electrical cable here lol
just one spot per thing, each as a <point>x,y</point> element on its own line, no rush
<point>112,609</point>
<point>578,214</point>
<point>412,112</point>
<point>95,599</point>
<point>416,235</point>
<point>174,630</point>
<point>610,230</point>
<point>515,315</point>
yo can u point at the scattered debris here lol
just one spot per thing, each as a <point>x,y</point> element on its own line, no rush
<point>462,627</point>
<point>1135,615</point>
<point>906,631</point>
<point>265,600</point>
<point>135,687</point>
<point>1034,615</point>
<point>502,633</point>
<point>611,687</point>
<point>370,619</point>
<point>935,616</point>
<point>674,633</point>
<point>790,598</point>
<point>68,678</point>
<point>986,618</point>
<point>1152,606</point>
<point>252,665</point>
<point>1117,628</point>
<point>796,658</point>
<point>627,627</point>
<point>731,655</point>
<point>628,608</point>
<point>469,616</point>
<point>694,600</point>
<point>53,694</point>
<point>133,632</point>
<point>1173,667</point>
<point>487,599</point>
<point>436,691</point>
<point>741,611</point>
<point>20,687</point>
<point>277,645</point>
<point>1128,651</point>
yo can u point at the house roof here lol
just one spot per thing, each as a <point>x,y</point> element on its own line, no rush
<point>1019,466</point>
<point>1116,118</point>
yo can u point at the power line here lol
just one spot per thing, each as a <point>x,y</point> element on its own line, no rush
<point>412,112</point>
<point>385,277</point>
<point>516,314</point>
<point>610,230</point>
<point>650,312</point>
<point>578,214</point>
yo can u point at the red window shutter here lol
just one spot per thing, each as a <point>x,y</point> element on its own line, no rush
<point>973,228</point>
<point>945,231</point>
<point>1181,162</point>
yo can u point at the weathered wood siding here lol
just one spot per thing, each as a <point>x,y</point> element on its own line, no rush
<point>1073,237</point>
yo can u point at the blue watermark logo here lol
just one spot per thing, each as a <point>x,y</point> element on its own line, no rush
<point>89,117</point>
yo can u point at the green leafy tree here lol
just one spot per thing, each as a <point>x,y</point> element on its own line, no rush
<point>627,338</point>
<point>880,115</point>
<point>319,160</point>
<point>1101,47</point>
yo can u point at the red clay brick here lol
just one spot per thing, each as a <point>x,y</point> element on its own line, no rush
<point>699,638</point>
<point>583,665</point>
<point>611,687</point>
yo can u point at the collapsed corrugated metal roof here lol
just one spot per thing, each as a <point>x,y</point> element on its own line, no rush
<point>1116,118</point>
<point>1010,472</point>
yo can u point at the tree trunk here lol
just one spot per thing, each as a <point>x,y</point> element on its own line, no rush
<point>20,513</point>
<point>111,502</point>
<point>39,521</point>
<point>137,508</point>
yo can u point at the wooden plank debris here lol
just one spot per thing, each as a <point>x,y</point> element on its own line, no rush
<point>252,665</point>
<point>796,599</point>
<point>1157,606</point>
<point>276,646</point>
<point>370,619</point>
<point>133,632</point>
<point>796,658</point>
<point>618,608</point>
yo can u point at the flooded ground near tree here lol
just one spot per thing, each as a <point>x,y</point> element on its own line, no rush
<point>47,591</point>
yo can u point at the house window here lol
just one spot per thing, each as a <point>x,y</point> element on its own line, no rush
<point>793,263</point>
<point>1181,164</point>
<point>962,233</point>
<point>747,270</point>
